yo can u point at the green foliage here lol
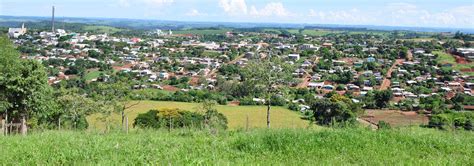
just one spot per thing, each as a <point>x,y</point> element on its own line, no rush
<point>382,98</point>
<point>452,120</point>
<point>338,110</point>
<point>384,125</point>
<point>175,118</point>
<point>411,146</point>
<point>24,90</point>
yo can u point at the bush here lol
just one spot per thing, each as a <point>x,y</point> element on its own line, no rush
<point>247,101</point>
<point>277,101</point>
<point>384,125</point>
<point>175,118</point>
<point>294,107</point>
<point>458,120</point>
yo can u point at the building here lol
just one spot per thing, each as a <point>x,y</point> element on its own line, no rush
<point>294,57</point>
<point>16,32</point>
<point>466,52</point>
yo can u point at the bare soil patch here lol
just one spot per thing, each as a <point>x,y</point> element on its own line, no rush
<point>395,118</point>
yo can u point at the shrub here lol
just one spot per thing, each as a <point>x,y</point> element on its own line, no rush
<point>458,120</point>
<point>383,125</point>
<point>247,101</point>
<point>175,118</point>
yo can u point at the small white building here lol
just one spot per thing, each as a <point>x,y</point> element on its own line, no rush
<point>294,57</point>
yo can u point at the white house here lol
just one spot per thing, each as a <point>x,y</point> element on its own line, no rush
<point>16,32</point>
<point>294,57</point>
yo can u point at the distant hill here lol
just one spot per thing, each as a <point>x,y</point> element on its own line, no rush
<point>11,21</point>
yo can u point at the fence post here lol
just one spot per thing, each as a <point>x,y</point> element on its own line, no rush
<point>247,123</point>
<point>126,123</point>
<point>3,127</point>
<point>59,123</point>
<point>169,126</point>
<point>6,123</point>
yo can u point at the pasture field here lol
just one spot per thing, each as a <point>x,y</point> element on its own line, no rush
<point>236,115</point>
<point>349,146</point>
<point>101,29</point>
<point>92,75</point>
<point>202,32</point>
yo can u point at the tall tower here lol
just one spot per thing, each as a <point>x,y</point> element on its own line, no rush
<point>52,22</point>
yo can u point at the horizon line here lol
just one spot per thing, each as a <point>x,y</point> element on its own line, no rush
<point>249,22</point>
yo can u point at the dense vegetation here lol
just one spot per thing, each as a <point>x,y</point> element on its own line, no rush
<point>412,146</point>
<point>208,117</point>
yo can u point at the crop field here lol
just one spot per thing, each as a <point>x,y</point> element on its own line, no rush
<point>350,146</point>
<point>236,115</point>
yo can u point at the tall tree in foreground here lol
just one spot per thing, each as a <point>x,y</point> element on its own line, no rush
<point>23,85</point>
<point>265,78</point>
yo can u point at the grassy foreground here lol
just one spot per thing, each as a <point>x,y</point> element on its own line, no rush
<point>236,115</point>
<point>408,146</point>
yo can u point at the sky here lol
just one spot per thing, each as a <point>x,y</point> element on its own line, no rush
<point>413,13</point>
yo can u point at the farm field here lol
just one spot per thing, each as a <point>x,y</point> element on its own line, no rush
<point>446,58</point>
<point>101,29</point>
<point>405,146</point>
<point>395,118</point>
<point>202,32</point>
<point>236,115</point>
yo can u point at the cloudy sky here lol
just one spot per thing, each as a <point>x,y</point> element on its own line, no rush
<point>418,13</point>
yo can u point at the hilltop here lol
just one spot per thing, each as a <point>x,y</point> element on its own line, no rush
<point>408,146</point>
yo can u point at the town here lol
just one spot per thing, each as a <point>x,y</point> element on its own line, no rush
<point>233,92</point>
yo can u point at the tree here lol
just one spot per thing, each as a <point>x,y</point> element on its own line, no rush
<point>382,98</point>
<point>23,85</point>
<point>117,97</point>
<point>76,108</point>
<point>336,110</point>
<point>265,78</point>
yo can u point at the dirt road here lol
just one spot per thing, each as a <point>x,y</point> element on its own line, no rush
<point>386,81</point>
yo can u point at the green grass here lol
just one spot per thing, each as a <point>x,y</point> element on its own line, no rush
<point>202,32</point>
<point>236,115</point>
<point>101,29</point>
<point>446,58</point>
<point>407,146</point>
<point>92,75</point>
<point>211,54</point>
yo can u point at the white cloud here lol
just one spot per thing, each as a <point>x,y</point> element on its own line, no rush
<point>271,9</point>
<point>195,13</point>
<point>233,7</point>
<point>353,16</point>
<point>412,15</point>
<point>398,14</point>
<point>240,8</point>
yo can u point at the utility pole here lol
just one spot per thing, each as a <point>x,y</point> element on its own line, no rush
<point>52,22</point>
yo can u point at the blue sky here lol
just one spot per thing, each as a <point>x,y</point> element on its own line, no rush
<point>419,13</point>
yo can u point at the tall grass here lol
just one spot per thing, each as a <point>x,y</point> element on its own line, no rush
<point>413,146</point>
